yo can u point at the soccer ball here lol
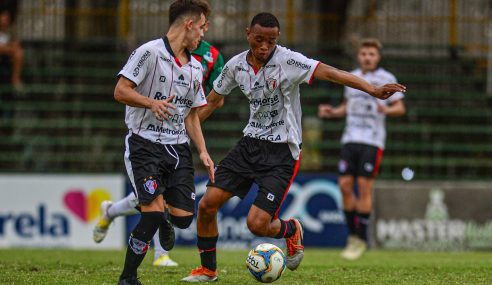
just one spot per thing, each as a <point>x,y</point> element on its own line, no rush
<point>266,262</point>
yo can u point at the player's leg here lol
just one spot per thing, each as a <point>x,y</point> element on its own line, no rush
<point>368,167</point>
<point>347,171</point>
<point>109,211</point>
<point>142,161</point>
<point>208,234</point>
<point>274,176</point>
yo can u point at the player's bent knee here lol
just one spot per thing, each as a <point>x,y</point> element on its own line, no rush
<point>181,222</point>
<point>206,208</point>
<point>257,227</point>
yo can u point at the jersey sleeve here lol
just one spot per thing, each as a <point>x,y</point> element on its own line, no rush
<point>138,65</point>
<point>215,72</point>
<point>226,82</point>
<point>398,95</point>
<point>199,100</point>
<point>298,68</point>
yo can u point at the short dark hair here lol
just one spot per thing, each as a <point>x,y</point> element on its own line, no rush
<point>180,8</point>
<point>266,20</point>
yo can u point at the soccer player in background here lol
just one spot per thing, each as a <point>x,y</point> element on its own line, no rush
<point>362,142</point>
<point>161,84</point>
<point>212,64</point>
<point>270,151</point>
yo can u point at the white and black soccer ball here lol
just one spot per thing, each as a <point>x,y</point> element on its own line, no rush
<point>266,262</point>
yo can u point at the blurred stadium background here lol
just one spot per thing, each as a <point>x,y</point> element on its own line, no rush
<point>65,121</point>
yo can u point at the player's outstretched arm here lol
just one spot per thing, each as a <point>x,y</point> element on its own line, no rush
<point>396,109</point>
<point>326,111</point>
<point>214,101</point>
<point>330,73</point>
<point>194,129</point>
<point>125,93</point>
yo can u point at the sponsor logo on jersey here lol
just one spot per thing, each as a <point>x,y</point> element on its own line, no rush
<point>141,62</point>
<point>165,59</point>
<point>298,64</point>
<point>241,69</point>
<point>271,101</point>
<point>163,130</point>
<point>162,78</point>
<point>257,86</point>
<point>259,125</point>
<point>222,76</point>
<point>181,82</point>
<point>150,185</point>
<point>271,84</point>
<point>270,66</point>
<point>265,114</point>
<point>267,137</point>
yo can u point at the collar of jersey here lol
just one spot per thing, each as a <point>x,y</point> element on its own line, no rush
<point>266,62</point>
<point>170,50</point>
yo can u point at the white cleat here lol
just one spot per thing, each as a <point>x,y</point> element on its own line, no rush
<point>164,260</point>
<point>101,229</point>
<point>355,248</point>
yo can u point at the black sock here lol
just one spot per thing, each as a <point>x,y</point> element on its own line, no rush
<point>139,241</point>
<point>208,253</point>
<point>350,219</point>
<point>363,225</point>
<point>287,229</point>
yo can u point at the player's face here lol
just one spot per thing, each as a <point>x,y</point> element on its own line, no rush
<point>368,58</point>
<point>262,41</point>
<point>196,31</point>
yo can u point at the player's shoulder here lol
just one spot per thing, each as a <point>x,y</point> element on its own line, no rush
<point>195,63</point>
<point>282,52</point>
<point>153,45</point>
<point>241,57</point>
<point>356,71</point>
<point>381,72</point>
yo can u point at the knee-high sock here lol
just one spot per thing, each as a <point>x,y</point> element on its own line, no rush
<point>139,241</point>
<point>124,207</point>
<point>208,252</point>
<point>363,225</point>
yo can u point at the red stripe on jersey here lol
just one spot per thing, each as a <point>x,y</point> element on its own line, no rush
<point>379,157</point>
<point>312,76</point>
<point>296,169</point>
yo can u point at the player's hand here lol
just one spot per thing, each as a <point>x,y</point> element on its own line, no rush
<point>325,111</point>
<point>160,108</point>
<point>385,91</point>
<point>383,109</point>
<point>209,164</point>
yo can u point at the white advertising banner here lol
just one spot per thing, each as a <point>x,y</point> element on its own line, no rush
<point>57,210</point>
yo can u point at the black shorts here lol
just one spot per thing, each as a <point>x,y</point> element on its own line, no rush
<point>156,169</point>
<point>360,160</point>
<point>268,164</point>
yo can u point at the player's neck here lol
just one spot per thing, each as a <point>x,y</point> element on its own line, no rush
<point>254,62</point>
<point>176,39</point>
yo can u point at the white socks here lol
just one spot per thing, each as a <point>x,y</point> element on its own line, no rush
<point>124,207</point>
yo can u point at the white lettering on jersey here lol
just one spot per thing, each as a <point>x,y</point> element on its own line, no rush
<point>273,94</point>
<point>156,75</point>
<point>364,123</point>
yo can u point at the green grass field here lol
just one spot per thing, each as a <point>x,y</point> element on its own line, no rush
<point>320,266</point>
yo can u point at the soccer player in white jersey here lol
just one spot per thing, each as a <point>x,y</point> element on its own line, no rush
<point>363,142</point>
<point>270,151</point>
<point>212,64</point>
<point>161,84</point>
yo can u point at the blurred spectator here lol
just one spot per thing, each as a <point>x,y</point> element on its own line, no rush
<point>11,53</point>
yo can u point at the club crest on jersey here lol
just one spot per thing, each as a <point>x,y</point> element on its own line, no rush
<point>208,57</point>
<point>196,86</point>
<point>150,186</point>
<point>271,84</point>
